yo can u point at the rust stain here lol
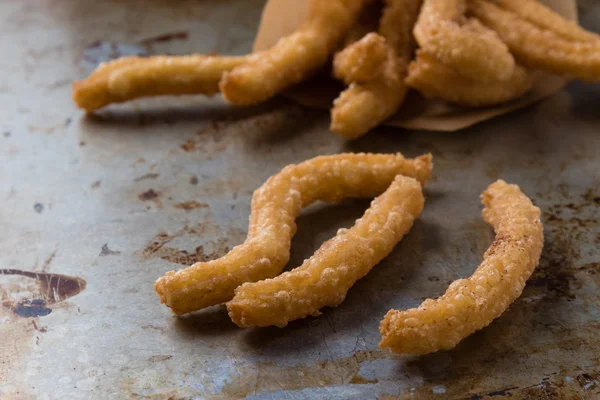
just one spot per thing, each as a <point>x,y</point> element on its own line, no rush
<point>268,376</point>
<point>157,248</point>
<point>189,145</point>
<point>51,288</point>
<point>149,194</point>
<point>190,205</point>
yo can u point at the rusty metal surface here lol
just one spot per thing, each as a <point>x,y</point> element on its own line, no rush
<point>95,209</point>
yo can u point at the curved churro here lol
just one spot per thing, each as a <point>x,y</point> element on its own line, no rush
<point>539,48</point>
<point>130,78</point>
<point>295,57</point>
<point>545,18</point>
<point>365,105</point>
<point>471,304</point>
<point>275,205</point>
<point>361,61</point>
<point>473,50</point>
<point>438,81</point>
<point>325,278</point>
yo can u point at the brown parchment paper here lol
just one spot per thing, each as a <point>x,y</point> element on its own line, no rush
<point>282,17</point>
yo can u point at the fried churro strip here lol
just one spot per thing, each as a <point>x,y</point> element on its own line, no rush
<point>474,51</point>
<point>471,304</point>
<point>360,61</point>
<point>295,57</point>
<point>438,81</point>
<point>134,77</point>
<point>325,278</point>
<point>539,48</point>
<point>275,205</point>
<point>545,18</point>
<point>365,105</point>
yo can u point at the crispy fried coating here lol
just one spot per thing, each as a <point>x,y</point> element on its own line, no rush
<point>366,104</point>
<point>540,48</point>
<point>545,18</point>
<point>472,50</point>
<point>295,57</point>
<point>473,303</point>
<point>325,278</point>
<point>130,78</point>
<point>361,61</point>
<point>438,81</point>
<point>275,206</point>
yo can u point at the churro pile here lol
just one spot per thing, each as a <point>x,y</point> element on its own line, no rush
<point>472,53</point>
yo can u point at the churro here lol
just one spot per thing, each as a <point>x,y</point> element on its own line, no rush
<point>473,303</point>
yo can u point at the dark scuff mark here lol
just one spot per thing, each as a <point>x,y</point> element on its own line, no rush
<point>149,194</point>
<point>101,51</point>
<point>6,134</point>
<point>48,261</point>
<point>81,143</point>
<point>151,175</point>
<point>68,122</point>
<point>38,208</point>
<point>159,358</point>
<point>105,251</point>
<point>190,205</point>
<point>31,308</point>
<point>193,180</point>
<point>165,37</point>
<point>54,287</point>
<point>41,329</point>
<point>96,185</point>
<point>502,392</point>
<point>360,380</point>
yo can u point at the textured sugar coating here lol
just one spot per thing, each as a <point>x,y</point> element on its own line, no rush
<point>360,61</point>
<point>545,18</point>
<point>471,304</point>
<point>275,206</point>
<point>474,53</point>
<point>130,78</point>
<point>295,57</point>
<point>325,278</point>
<point>364,105</point>
<point>438,81</point>
<point>540,48</point>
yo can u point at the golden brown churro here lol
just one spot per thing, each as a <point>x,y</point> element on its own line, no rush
<point>545,18</point>
<point>130,78</point>
<point>539,48</point>
<point>438,81</point>
<point>361,61</point>
<point>295,57</point>
<point>325,278</point>
<point>365,105</point>
<point>471,304</point>
<point>274,208</point>
<point>474,51</point>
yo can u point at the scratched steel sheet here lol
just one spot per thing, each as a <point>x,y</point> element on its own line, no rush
<point>95,209</point>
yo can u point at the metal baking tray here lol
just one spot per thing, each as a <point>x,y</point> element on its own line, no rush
<point>94,209</point>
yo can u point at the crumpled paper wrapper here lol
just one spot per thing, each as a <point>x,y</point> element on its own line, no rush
<point>282,17</point>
